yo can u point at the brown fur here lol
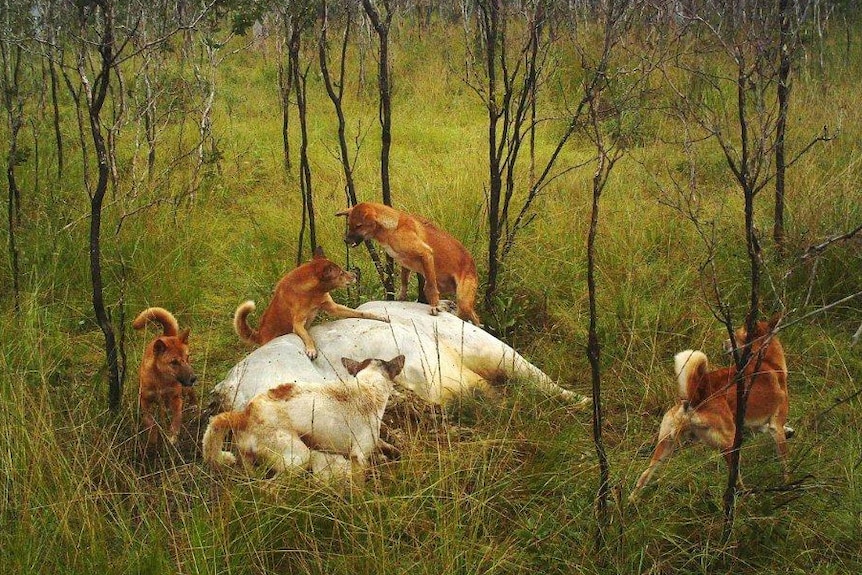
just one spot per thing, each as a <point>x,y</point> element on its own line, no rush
<point>708,409</point>
<point>166,375</point>
<point>298,296</point>
<point>419,246</point>
<point>283,392</point>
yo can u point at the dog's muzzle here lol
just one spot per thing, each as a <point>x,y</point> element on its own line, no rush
<point>188,381</point>
<point>353,240</point>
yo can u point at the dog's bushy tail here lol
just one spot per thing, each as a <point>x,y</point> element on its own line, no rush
<point>215,435</point>
<point>690,367</point>
<point>240,322</point>
<point>160,316</point>
<point>466,296</point>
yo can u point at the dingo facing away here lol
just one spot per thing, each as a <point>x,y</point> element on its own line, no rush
<point>311,425</point>
<point>708,399</point>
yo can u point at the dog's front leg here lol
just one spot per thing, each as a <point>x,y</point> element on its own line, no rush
<point>338,310</point>
<point>148,420</point>
<point>176,407</point>
<point>432,293</point>
<point>310,348</point>
<point>387,450</point>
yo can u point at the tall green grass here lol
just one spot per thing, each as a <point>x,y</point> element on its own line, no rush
<point>506,485</point>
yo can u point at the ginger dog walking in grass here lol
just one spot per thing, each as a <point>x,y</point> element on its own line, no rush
<point>708,400</point>
<point>298,297</point>
<point>166,374</point>
<point>418,245</point>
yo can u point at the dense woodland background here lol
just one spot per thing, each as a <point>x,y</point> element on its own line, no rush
<point>631,177</point>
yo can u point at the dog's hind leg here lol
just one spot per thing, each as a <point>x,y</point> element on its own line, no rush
<point>778,433</point>
<point>667,439</point>
<point>289,453</point>
<point>405,280</point>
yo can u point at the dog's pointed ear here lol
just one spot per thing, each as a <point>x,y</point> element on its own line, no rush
<point>352,366</point>
<point>331,271</point>
<point>159,347</point>
<point>318,253</point>
<point>388,220</point>
<point>345,213</point>
<point>184,335</point>
<point>394,366</point>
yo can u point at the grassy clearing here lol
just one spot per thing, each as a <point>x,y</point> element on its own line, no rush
<point>507,486</point>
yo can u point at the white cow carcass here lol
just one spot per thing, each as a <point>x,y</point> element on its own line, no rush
<point>445,357</point>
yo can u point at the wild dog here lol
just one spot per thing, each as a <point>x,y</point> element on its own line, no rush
<point>418,245</point>
<point>297,426</point>
<point>297,298</point>
<point>166,374</point>
<point>707,406</point>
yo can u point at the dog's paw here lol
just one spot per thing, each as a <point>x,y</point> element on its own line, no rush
<point>311,353</point>
<point>226,459</point>
<point>444,305</point>
<point>447,305</point>
<point>576,398</point>
<point>380,318</point>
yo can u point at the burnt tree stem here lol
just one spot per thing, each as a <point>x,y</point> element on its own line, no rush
<point>95,100</point>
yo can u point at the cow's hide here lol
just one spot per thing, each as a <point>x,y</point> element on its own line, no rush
<point>445,356</point>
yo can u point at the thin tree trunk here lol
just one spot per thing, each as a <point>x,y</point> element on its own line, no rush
<point>58,135</point>
<point>298,24</point>
<point>781,122</point>
<point>285,83</point>
<point>384,86</point>
<point>593,354</point>
<point>490,14</point>
<point>336,96</point>
<point>95,102</point>
<point>381,26</point>
<point>744,177</point>
<point>150,125</point>
<point>304,165</point>
<point>14,116</point>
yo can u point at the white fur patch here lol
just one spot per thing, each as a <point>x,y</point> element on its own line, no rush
<point>683,364</point>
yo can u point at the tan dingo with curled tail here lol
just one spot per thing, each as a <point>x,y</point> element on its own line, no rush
<point>166,374</point>
<point>298,297</point>
<point>708,400</point>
